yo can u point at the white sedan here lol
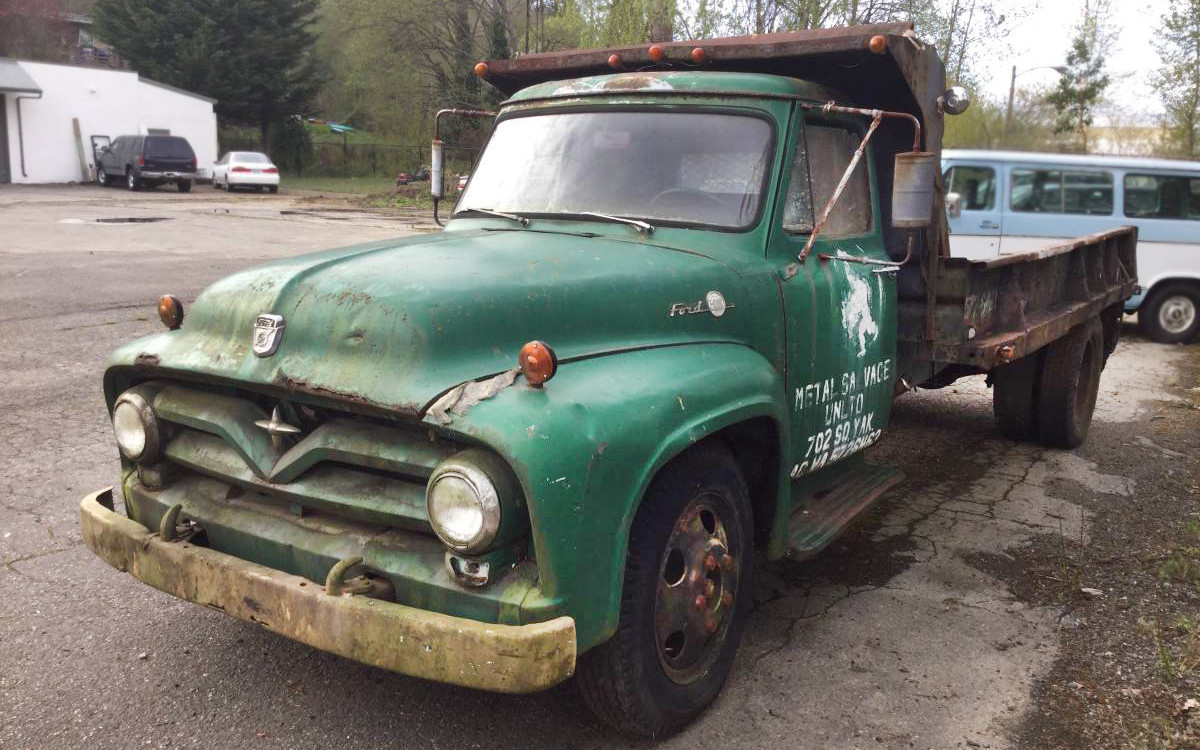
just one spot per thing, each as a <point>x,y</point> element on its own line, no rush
<point>248,169</point>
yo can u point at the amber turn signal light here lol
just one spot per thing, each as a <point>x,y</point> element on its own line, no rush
<point>170,311</point>
<point>877,44</point>
<point>481,69</point>
<point>614,61</point>
<point>699,55</point>
<point>656,52</point>
<point>538,363</point>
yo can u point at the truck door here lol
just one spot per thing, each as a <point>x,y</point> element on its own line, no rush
<point>975,230</point>
<point>840,316</point>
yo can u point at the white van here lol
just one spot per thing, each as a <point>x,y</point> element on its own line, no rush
<point>1005,202</point>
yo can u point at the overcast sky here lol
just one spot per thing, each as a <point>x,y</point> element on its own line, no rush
<point>1041,34</point>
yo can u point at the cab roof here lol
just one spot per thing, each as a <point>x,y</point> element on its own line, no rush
<point>712,83</point>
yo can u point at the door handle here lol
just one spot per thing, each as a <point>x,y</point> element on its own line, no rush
<point>987,224</point>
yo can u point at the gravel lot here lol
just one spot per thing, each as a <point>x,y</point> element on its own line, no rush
<point>909,632</point>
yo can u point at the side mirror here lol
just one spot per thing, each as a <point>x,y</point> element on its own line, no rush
<point>955,101</point>
<point>912,189</point>
<point>953,205</point>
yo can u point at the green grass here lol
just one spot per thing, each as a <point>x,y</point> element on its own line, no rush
<point>351,185</point>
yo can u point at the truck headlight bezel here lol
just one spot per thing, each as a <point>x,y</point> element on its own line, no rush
<point>474,502</point>
<point>135,427</point>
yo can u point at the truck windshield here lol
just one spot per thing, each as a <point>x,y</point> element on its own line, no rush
<point>664,167</point>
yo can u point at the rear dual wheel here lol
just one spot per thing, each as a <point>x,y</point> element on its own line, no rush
<point>1050,396</point>
<point>684,600</point>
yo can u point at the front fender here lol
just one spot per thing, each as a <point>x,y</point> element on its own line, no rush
<point>587,445</point>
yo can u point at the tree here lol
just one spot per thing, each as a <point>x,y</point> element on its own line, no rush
<point>32,29</point>
<point>1178,80</point>
<point>253,56</point>
<point>1081,88</point>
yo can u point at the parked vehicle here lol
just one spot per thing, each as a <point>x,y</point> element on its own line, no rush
<point>139,161</point>
<point>669,312</point>
<point>246,169</point>
<point>1003,202</point>
<point>461,183</point>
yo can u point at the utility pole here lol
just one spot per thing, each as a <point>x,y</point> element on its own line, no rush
<point>1012,90</point>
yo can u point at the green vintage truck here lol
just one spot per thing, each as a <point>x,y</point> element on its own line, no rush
<point>673,306</point>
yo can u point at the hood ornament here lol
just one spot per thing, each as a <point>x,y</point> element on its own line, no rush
<point>277,428</point>
<point>268,330</point>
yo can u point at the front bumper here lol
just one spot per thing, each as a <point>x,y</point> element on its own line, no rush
<point>501,658</point>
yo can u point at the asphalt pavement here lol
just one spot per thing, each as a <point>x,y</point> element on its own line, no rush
<point>891,639</point>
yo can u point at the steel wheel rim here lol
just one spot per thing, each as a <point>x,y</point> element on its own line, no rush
<point>696,592</point>
<point>1177,314</point>
<point>129,179</point>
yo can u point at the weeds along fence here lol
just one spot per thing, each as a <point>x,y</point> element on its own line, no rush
<point>366,159</point>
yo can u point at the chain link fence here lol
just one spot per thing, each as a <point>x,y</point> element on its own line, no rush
<point>366,159</point>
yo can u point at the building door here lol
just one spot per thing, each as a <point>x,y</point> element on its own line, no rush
<point>5,170</point>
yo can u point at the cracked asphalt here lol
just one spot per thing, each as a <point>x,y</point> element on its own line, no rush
<point>892,638</point>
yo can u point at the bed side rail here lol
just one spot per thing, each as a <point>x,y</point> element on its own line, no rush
<point>990,312</point>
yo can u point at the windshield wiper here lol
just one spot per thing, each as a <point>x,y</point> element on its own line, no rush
<point>641,226</point>
<point>512,217</point>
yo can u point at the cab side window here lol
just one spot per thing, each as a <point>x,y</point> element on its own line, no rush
<point>821,158</point>
<point>976,187</point>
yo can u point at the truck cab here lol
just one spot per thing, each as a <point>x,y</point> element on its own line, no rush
<point>667,315</point>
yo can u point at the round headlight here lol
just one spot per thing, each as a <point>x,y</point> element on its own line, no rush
<point>135,426</point>
<point>463,505</point>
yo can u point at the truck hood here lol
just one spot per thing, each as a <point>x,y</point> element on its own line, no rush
<point>397,323</point>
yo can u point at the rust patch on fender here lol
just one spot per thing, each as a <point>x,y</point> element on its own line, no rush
<point>460,398</point>
<point>145,359</point>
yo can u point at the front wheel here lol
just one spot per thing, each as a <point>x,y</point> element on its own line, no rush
<point>685,597</point>
<point>1171,316</point>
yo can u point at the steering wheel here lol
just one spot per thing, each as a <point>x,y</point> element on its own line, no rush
<point>713,200</point>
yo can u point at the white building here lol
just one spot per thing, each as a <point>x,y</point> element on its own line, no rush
<point>55,116</point>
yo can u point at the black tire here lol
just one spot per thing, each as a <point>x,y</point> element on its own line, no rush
<point>185,186</point>
<point>102,177</point>
<point>694,527</point>
<point>1068,385</point>
<point>273,189</point>
<point>1014,398</point>
<point>131,180</point>
<point>1172,314</point>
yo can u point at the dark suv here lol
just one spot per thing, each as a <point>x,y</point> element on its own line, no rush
<point>147,160</point>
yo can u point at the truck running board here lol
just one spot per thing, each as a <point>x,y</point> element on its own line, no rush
<point>827,513</point>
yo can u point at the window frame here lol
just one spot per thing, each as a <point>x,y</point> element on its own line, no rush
<point>1062,170</point>
<point>856,128</point>
<point>1156,176</point>
<point>771,147</point>
<point>996,203</point>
